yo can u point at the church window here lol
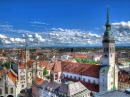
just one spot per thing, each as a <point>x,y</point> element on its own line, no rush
<point>0,91</point>
<point>11,90</point>
<point>22,86</point>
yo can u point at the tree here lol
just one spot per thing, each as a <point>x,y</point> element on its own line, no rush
<point>6,65</point>
<point>45,72</point>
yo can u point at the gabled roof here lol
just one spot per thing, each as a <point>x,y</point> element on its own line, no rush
<point>38,80</point>
<point>71,89</point>
<point>52,86</point>
<point>81,69</point>
<point>30,62</point>
<point>22,65</point>
<point>89,86</point>
<point>56,67</point>
<point>12,76</point>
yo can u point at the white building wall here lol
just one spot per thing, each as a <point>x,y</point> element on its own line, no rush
<point>82,77</point>
<point>10,84</point>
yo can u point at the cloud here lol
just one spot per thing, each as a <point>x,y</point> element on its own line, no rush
<point>121,32</point>
<point>64,37</point>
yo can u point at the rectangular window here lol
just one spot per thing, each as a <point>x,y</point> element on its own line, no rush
<point>6,90</point>
<point>11,90</point>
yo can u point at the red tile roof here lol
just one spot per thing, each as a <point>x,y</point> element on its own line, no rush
<point>56,67</point>
<point>39,80</point>
<point>124,78</point>
<point>48,67</point>
<point>22,54</point>
<point>12,76</point>
<point>22,65</point>
<point>43,63</point>
<point>2,71</point>
<point>30,62</point>
<point>82,69</point>
<point>90,86</point>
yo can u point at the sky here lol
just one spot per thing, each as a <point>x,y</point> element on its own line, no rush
<point>62,22</point>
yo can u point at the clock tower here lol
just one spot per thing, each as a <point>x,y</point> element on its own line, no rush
<point>22,78</point>
<point>109,70</point>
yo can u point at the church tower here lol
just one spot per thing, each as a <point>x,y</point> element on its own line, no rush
<point>109,71</point>
<point>27,55</point>
<point>22,78</point>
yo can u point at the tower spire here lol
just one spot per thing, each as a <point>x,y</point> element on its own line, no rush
<point>108,15</point>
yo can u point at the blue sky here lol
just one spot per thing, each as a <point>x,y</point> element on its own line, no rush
<point>42,16</point>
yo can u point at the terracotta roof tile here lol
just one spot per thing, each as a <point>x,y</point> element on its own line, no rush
<point>39,80</point>
<point>48,67</point>
<point>30,62</point>
<point>43,63</point>
<point>12,76</point>
<point>82,69</point>
<point>124,78</point>
<point>22,65</point>
<point>56,67</point>
<point>2,71</point>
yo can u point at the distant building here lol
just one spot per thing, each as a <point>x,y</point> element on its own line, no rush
<point>68,89</point>
<point>124,81</point>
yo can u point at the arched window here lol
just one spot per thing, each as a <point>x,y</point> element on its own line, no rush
<point>0,91</point>
<point>89,80</point>
<point>75,77</point>
<point>11,90</point>
<point>39,73</point>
